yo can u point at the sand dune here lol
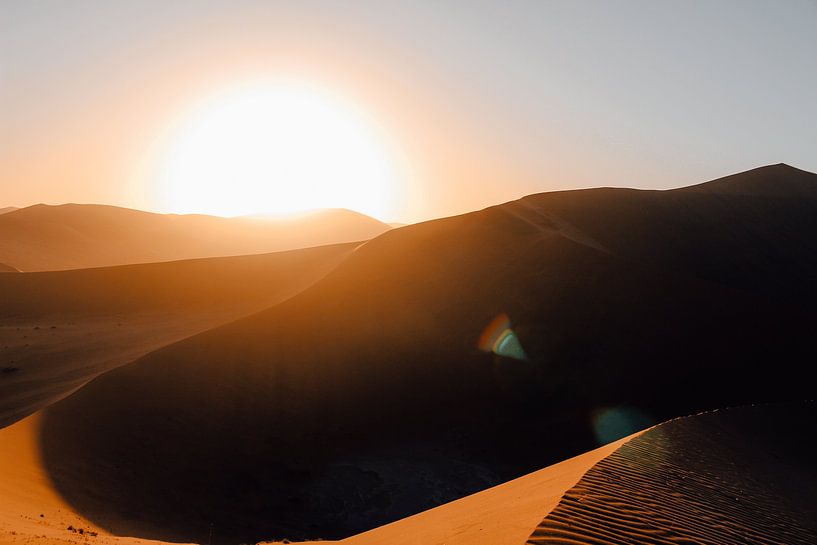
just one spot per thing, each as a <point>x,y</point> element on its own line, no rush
<point>73,236</point>
<point>60,329</point>
<point>733,476</point>
<point>365,398</point>
<point>7,209</point>
<point>7,268</point>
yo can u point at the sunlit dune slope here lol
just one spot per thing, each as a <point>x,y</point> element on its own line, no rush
<point>365,398</point>
<point>502,515</point>
<point>60,329</point>
<point>73,236</point>
<point>742,475</point>
<point>7,268</point>
<point>31,511</point>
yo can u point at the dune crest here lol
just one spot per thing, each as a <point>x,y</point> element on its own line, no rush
<point>742,475</point>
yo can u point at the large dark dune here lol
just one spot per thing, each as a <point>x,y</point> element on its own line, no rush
<point>73,236</point>
<point>365,398</point>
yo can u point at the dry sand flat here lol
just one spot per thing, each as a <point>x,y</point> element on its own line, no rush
<point>60,329</point>
<point>742,475</point>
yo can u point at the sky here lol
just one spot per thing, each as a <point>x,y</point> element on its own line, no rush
<point>483,102</point>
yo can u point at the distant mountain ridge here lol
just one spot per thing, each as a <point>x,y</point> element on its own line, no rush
<point>73,236</point>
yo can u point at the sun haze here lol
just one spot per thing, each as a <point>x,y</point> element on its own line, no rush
<point>275,147</point>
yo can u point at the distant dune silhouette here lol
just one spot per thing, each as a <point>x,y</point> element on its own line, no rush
<point>7,209</point>
<point>365,398</point>
<point>74,236</point>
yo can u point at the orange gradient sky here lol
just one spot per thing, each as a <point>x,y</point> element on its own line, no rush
<point>470,103</point>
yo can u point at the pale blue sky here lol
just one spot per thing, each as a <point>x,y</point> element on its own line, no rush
<point>489,100</point>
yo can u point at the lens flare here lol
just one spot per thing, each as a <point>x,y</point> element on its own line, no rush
<point>499,338</point>
<point>613,423</point>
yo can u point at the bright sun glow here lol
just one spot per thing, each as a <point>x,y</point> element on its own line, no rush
<point>277,148</point>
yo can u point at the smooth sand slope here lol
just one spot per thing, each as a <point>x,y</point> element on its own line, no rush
<point>60,329</point>
<point>365,398</point>
<point>31,511</point>
<point>73,236</point>
<point>742,475</point>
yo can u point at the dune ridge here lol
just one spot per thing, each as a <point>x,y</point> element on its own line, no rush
<point>501,515</point>
<point>742,475</point>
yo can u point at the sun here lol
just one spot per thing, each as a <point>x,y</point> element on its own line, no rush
<point>277,148</point>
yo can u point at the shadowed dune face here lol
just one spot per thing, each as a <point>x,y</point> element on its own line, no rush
<point>60,329</point>
<point>73,236</point>
<point>742,475</point>
<point>366,398</point>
